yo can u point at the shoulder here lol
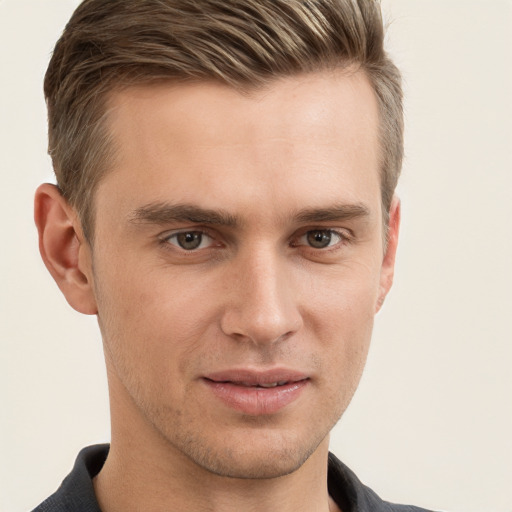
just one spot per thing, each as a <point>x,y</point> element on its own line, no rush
<point>353,496</point>
<point>76,493</point>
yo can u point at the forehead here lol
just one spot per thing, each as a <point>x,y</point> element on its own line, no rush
<point>322,106</point>
<point>298,138</point>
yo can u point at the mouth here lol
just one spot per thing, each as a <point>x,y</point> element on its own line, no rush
<point>257,393</point>
<point>247,384</point>
<point>261,385</point>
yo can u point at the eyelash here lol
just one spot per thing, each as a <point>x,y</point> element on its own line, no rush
<point>166,240</point>
<point>343,238</point>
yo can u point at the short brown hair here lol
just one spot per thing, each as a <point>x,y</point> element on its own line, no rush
<point>109,44</point>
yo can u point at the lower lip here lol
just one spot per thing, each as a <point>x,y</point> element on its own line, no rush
<point>255,400</point>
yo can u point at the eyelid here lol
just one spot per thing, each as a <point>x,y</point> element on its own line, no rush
<point>345,236</point>
<point>168,235</point>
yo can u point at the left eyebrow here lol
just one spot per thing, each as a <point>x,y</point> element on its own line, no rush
<point>336,213</point>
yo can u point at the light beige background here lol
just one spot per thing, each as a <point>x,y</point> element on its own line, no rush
<point>432,421</point>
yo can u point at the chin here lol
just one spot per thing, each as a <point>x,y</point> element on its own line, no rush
<point>248,464</point>
<point>257,455</point>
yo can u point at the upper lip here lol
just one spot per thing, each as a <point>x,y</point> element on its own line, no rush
<point>256,377</point>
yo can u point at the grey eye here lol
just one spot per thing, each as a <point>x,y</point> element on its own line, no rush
<point>189,240</point>
<point>320,238</point>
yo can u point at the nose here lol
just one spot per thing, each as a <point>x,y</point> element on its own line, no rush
<point>262,303</point>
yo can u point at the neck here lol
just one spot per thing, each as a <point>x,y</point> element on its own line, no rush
<point>134,481</point>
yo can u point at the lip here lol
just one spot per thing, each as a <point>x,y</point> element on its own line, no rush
<point>242,390</point>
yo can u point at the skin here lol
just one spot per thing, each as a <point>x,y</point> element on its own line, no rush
<point>273,170</point>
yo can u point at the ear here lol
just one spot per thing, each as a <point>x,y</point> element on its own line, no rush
<point>388,263</point>
<point>65,252</point>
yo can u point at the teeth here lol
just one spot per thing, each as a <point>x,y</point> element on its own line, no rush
<point>274,384</point>
<point>263,385</point>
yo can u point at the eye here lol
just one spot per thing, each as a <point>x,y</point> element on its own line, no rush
<point>190,240</point>
<point>321,238</point>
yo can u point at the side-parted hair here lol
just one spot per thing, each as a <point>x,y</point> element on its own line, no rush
<point>112,44</point>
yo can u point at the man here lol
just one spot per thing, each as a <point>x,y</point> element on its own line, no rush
<point>225,206</point>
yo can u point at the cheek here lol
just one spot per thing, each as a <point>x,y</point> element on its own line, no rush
<point>342,300</point>
<point>153,321</point>
<point>341,319</point>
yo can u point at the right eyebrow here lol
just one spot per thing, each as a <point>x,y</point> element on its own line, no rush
<point>165,213</point>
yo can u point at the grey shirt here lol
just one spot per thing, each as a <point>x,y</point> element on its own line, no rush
<point>76,494</point>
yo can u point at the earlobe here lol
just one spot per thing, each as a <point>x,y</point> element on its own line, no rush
<point>388,262</point>
<point>62,246</point>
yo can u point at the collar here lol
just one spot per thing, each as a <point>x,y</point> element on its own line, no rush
<point>76,494</point>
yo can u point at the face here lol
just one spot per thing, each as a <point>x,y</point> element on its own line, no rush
<point>237,265</point>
